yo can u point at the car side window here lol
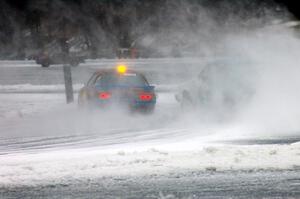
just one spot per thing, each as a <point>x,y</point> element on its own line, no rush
<point>92,79</point>
<point>97,80</point>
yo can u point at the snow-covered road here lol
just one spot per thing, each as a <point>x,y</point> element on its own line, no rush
<point>49,147</point>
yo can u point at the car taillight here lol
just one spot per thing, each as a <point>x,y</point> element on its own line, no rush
<point>104,95</point>
<point>146,96</point>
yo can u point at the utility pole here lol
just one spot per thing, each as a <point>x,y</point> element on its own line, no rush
<point>68,83</point>
<point>66,67</point>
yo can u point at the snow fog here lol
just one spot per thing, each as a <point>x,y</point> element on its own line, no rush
<point>255,40</point>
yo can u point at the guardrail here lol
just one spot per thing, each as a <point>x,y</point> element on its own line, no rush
<point>17,61</point>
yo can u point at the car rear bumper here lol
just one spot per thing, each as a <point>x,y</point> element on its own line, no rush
<point>132,105</point>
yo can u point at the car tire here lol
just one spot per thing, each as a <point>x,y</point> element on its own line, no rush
<point>74,63</point>
<point>45,64</point>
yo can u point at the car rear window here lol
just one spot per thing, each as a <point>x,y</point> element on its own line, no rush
<point>127,79</point>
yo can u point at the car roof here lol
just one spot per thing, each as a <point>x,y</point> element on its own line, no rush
<point>106,71</point>
<point>113,70</point>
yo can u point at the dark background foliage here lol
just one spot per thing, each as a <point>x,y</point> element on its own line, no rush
<point>109,24</point>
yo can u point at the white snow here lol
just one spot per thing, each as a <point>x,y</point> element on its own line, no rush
<point>18,63</point>
<point>64,165</point>
<point>29,88</point>
<point>16,105</point>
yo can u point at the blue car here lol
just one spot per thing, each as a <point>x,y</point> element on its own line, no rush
<point>121,87</point>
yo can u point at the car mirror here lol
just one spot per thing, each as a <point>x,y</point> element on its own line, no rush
<point>152,87</point>
<point>149,88</point>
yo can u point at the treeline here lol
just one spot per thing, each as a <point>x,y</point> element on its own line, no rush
<point>29,25</point>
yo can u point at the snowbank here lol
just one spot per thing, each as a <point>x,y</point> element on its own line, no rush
<point>60,88</point>
<point>19,105</point>
<point>29,88</point>
<point>64,166</point>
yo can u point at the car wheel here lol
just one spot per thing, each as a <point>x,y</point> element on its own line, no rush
<point>45,64</point>
<point>74,63</point>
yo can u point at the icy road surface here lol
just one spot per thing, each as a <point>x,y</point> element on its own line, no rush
<point>52,150</point>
